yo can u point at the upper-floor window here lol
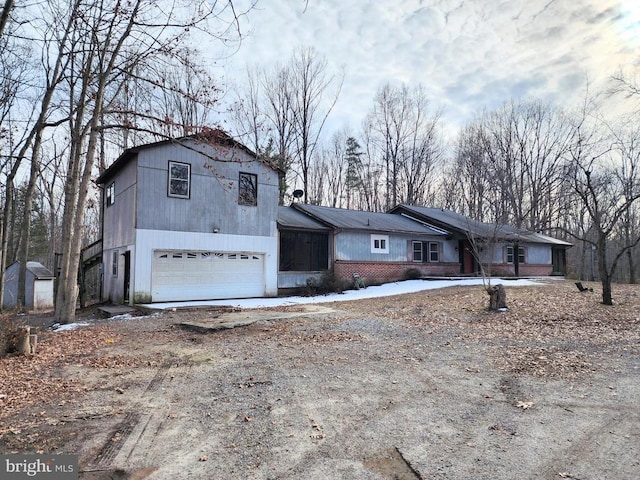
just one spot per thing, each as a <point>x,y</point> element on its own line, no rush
<point>426,251</point>
<point>110,194</point>
<point>248,189</point>
<point>521,254</point>
<point>179,183</point>
<point>379,243</point>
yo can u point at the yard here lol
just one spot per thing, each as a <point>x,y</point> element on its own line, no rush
<point>426,385</point>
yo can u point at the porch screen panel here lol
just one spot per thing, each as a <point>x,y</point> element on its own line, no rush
<point>303,251</point>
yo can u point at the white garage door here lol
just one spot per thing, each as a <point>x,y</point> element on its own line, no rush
<point>206,275</point>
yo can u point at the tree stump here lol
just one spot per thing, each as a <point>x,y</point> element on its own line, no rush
<point>33,343</point>
<point>497,297</point>
<point>22,340</point>
<point>25,341</point>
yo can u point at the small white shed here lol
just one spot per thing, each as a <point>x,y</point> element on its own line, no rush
<point>38,288</point>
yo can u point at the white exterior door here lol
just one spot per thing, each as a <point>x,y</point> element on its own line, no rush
<point>189,275</point>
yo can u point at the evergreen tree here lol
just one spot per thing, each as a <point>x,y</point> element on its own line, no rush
<point>353,182</point>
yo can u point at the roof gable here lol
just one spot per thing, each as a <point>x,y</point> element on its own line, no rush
<point>213,137</point>
<point>36,269</point>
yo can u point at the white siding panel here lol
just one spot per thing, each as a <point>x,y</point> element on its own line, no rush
<point>150,241</point>
<point>42,294</point>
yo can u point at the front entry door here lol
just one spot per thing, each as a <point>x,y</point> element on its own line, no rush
<point>468,263</point>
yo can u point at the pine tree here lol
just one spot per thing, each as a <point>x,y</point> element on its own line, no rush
<point>352,182</point>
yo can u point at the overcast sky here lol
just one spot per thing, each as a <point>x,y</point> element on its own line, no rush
<point>468,54</point>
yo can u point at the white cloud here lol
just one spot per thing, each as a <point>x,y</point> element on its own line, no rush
<point>467,54</point>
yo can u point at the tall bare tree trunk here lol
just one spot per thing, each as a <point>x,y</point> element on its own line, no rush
<point>25,234</point>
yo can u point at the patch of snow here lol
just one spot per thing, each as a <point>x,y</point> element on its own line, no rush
<point>128,316</point>
<point>385,290</point>
<point>69,326</point>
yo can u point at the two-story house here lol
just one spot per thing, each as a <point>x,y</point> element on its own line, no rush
<point>189,219</point>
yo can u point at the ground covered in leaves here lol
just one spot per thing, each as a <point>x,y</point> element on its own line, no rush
<point>548,331</point>
<point>318,397</point>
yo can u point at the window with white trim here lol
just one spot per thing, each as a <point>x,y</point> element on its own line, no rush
<point>179,181</point>
<point>379,243</point>
<point>417,251</point>
<point>509,254</point>
<point>423,252</point>
<point>434,251</point>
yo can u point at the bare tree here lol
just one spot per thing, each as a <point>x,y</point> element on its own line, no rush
<point>278,93</point>
<point>627,147</point>
<point>327,172</point>
<point>508,166</point>
<point>282,111</point>
<point>310,85</point>
<point>247,112</point>
<point>371,172</point>
<point>110,42</point>
<point>54,61</point>
<point>466,187</point>
<point>408,142</point>
<point>605,174</point>
<point>525,145</point>
<point>4,15</point>
<point>625,82</point>
<point>14,72</point>
<point>388,119</point>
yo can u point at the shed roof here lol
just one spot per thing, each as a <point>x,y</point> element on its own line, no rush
<point>39,271</point>
<point>344,219</point>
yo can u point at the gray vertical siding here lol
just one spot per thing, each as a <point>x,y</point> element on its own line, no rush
<point>120,218</point>
<point>144,218</point>
<point>356,246</point>
<point>214,192</point>
<point>538,254</point>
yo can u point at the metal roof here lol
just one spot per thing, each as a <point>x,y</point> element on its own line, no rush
<point>39,271</point>
<point>340,218</point>
<point>455,221</point>
<point>289,217</point>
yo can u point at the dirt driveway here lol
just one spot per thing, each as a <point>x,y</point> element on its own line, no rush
<point>420,386</point>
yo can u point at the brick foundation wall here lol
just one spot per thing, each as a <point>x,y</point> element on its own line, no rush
<point>526,270</point>
<point>536,270</point>
<point>373,272</point>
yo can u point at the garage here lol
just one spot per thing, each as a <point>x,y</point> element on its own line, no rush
<point>189,275</point>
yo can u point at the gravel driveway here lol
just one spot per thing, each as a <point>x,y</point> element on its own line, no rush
<point>421,386</point>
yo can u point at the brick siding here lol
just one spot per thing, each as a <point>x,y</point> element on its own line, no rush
<point>375,272</point>
<point>526,270</point>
